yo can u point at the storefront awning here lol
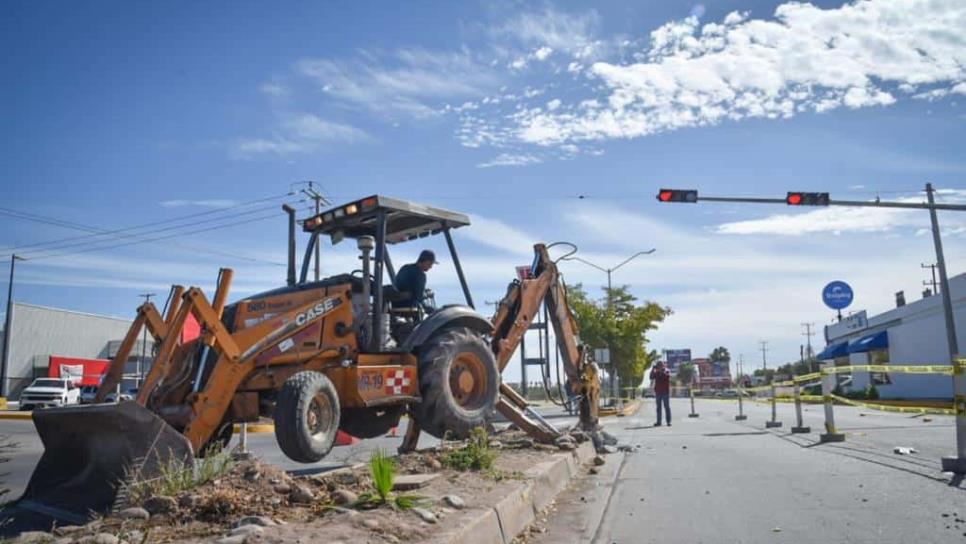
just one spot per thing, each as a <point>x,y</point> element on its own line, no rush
<point>879,340</point>
<point>832,351</point>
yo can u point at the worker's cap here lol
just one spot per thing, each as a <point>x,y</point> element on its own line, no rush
<point>427,255</point>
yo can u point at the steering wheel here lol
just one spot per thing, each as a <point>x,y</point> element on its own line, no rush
<point>358,274</point>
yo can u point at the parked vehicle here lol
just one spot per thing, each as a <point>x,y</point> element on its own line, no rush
<point>87,393</point>
<point>112,397</point>
<point>45,392</point>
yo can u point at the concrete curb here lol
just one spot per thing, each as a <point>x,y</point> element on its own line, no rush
<point>15,415</point>
<point>629,409</point>
<point>508,518</point>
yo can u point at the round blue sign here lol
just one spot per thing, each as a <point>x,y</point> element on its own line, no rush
<point>837,295</point>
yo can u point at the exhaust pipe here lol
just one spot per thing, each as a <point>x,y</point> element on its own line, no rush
<point>291,243</point>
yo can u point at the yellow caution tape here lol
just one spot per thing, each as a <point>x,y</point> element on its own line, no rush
<point>906,369</point>
<point>807,377</point>
<point>899,409</point>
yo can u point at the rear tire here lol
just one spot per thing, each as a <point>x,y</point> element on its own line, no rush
<point>459,383</point>
<point>307,416</point>
<point>370,422</point>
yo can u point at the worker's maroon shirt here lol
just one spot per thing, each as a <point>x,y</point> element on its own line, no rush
<point>662,381</point>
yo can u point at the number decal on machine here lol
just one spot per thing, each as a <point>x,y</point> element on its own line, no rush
<point>370,381</point>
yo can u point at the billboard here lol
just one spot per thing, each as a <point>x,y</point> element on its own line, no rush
<point>713,373</point>
<point>78,370</point>
<point>674,358</point>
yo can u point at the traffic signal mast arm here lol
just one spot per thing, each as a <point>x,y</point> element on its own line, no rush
<point>852,203</point>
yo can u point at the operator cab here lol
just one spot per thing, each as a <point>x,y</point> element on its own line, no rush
<point>376,222</point>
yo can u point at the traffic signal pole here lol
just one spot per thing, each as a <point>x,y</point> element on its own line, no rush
<point>955,464</point>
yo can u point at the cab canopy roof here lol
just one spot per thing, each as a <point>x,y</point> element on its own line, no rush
<point>404,220</point>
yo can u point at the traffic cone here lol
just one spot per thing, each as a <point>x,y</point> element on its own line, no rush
<point>343,438</point>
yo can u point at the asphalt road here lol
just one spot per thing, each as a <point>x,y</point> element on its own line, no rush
<point>23,458</point>
<point>712,479</point>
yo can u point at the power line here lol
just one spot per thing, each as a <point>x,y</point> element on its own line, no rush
<point>145,238</point>
<point>141,236</point>
<point>169,236</point>
<point>102,232</point>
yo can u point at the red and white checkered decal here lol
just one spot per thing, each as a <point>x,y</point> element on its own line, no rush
<point>398,381</point>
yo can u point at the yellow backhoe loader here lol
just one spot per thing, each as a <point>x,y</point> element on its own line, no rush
<point>316,356</point>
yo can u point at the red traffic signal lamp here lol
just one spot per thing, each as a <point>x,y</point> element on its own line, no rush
<point>678,195</point>
<point>806,199</point>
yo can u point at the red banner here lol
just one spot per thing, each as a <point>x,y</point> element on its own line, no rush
<point>82,371</point>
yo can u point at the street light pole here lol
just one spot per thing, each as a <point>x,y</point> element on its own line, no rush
<point>610,304</point>
<point>6,327</point>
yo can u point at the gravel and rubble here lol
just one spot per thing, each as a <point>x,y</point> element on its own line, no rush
<point>258,502</point>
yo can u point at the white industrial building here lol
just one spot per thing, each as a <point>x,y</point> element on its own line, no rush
<point>910,334</point>
<point>38,332</point>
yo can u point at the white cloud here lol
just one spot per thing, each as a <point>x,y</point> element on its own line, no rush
<point>551,30</point>
<point>404,82</point>
<point>838,220</point>
<point>301,133</point>
<point>510,159</point>
<point>803,59</point>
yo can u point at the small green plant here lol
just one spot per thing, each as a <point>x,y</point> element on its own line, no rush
<point>475,454</point>
<point>382,468</point>
<point>872,392</point>
<point>177,477</point>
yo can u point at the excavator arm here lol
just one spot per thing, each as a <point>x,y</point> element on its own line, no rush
<point>516,312</point>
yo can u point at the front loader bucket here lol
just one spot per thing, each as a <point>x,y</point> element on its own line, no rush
<point>90,453</point>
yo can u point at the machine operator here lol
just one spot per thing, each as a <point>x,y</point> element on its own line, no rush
<point>411,280</point>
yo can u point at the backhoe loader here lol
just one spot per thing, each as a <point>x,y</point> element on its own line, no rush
<point>315,356</point>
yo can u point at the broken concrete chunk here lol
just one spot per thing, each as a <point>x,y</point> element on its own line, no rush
<point>261,521</point>
<point>301,494</point>
<point>425,515</point>
<point>160,505</point>
<point>343,497</point>
<point>454,501</point>
<point>134,513</point>
<point>408,482</point>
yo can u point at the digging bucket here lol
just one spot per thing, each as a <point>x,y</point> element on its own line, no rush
<point>90,454</point>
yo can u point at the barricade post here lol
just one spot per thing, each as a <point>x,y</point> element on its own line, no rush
<point>800,427</point>
<point>741,410</point>
<point>774,414</point>
<point>828,385</point>
<point>693,413</point>
<point>957,464</point>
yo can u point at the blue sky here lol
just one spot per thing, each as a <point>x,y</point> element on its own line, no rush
<point>117,114</point>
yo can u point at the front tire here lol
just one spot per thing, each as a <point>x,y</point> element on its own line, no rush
<point>459,383</point>
<point>307,417</point>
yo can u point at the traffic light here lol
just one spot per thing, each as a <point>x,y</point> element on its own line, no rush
<point>806,199</point>
<point>678,195</point>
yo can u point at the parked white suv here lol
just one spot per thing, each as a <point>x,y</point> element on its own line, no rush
<point>49,392</point>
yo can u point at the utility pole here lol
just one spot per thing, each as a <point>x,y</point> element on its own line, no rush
<point>935,288</point>
<point>610,305</point>
<point>808,334</point>
<point>764,364</point>
<point>319,201</point>
<point>144,343</point>
<point>6,328</point>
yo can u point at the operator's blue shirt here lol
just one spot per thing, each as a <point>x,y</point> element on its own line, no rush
<point>411,279</point>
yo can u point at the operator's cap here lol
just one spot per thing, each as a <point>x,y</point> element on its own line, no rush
<point>427,255</point>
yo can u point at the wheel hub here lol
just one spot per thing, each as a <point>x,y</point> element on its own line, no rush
<point>468,380</point>
<point>319,416</point>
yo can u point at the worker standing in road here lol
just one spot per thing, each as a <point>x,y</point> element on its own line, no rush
<point>661,382</point>
<point>411,280</point>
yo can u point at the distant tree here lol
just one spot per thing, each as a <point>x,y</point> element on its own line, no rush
<point>720,355</point>
<point>686,373</point>
<point>623,328</point>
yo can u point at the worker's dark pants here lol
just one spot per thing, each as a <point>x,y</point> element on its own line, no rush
<point>664,400</point>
